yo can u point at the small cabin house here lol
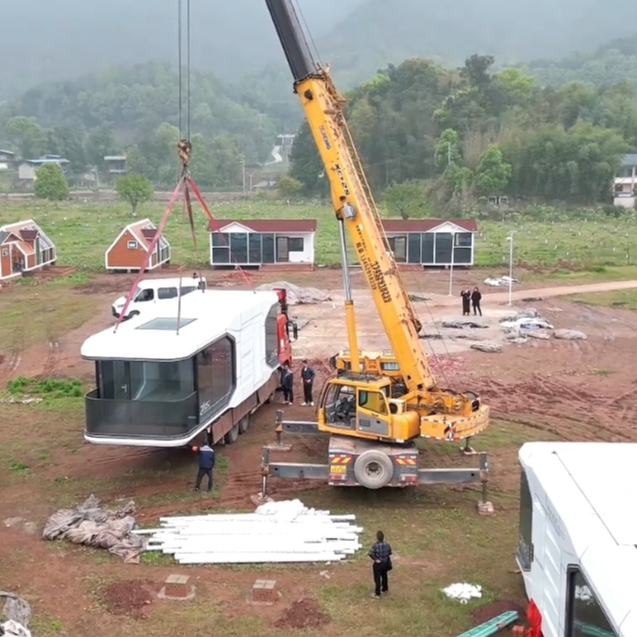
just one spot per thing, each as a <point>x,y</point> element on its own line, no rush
<point>263,242</point>
<point>128,251</point>
<point>432,242</point>
<point>24,247</point>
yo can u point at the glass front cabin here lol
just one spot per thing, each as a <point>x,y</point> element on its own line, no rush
<point>161,400</point>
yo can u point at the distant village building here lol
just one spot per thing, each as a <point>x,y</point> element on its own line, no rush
<point>28,168</point>
<point>625,182</point>
<point>115,165</point>
<point>7,159</point>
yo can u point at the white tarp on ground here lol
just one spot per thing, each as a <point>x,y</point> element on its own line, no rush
<point>91,525</point>
<point>463,592</point>
<point>529,319</point>
<point>500,281</point>
<point>15,616</point>
<point>297,295</point>
<point>277,532</point>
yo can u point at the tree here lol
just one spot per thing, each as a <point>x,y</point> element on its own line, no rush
<point>305,163</point>
<point>28,137</point>
<point>135,189</point>
<point>99,144</point>
<point>69,143</point>
<point>493,173</point>
<point>289,187</point>
<point>408,199</point>
<point>50,183</point>
<point>448,149</point>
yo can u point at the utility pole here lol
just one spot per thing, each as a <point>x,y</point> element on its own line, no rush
<point>453,245</point>
<point>243,170</point>
<point>510,240</point>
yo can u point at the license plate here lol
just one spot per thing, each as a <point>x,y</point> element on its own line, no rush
<point>338,468</point>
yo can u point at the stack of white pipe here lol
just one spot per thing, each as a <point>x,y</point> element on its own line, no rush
<point>277,532</point>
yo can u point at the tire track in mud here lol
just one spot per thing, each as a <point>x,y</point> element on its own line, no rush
<point>13,360</point>
<point>554,407</point>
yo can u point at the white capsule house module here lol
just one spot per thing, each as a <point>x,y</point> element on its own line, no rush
<point>578,537</point>
<point>162,387</point>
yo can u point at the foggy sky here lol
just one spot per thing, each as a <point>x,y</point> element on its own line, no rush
<point>45,40</point>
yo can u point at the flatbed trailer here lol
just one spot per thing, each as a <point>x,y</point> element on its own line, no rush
<point>354,462</point>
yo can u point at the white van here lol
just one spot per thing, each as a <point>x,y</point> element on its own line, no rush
<point>152,291</point>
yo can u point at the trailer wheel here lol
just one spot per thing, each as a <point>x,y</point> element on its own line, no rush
<point>270,399</point>
<point>373,469</point>
<point>232,436</point>
<point>244,424</point>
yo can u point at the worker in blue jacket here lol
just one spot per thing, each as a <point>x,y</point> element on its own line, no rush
<point>206,456</point>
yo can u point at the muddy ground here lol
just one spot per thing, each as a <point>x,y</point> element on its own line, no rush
<point>542,389</point>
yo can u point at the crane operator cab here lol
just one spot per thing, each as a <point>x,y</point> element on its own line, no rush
<point>364,406</point>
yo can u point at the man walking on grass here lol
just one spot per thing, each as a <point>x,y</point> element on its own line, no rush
<point>380,554</point>
<point>307,376</point>
<point>206,457</point>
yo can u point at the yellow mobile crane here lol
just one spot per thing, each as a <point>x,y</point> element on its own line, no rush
<point>380,403</point>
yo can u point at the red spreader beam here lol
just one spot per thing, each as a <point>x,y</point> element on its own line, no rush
<point>186,183</point>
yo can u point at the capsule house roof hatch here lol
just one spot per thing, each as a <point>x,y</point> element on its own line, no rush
<point>166,324</point>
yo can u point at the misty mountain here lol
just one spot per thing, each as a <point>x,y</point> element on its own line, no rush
<point>44,40</point>
<point>379,32</point>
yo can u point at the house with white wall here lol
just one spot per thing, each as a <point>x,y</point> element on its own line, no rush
<point>432,242</point>
<point>282,243</point>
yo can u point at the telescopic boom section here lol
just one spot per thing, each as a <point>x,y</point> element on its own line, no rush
<point>351,195</point>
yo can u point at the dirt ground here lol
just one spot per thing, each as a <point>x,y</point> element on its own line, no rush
<point>541,389</point>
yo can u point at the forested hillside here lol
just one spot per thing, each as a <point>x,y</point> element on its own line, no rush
<point>133,101</point>
<point>380,32</point>
<point>453,135</point>
<point>614,62</point>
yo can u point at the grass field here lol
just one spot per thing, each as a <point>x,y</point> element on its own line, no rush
<point>84,230</point>
<point>437,536</point>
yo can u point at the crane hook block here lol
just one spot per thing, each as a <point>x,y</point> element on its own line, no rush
<point>184,148</point>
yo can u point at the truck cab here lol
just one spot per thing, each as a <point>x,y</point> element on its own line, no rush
<point>150,292</point>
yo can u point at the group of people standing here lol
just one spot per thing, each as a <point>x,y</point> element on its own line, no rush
<point>471,299</point>
<point>287,384</point>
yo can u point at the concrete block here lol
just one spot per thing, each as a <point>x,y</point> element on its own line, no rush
<point>264,592</point>
<point>177,586</point>
<point>485,508</point>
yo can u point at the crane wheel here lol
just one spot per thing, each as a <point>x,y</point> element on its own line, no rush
<point>244,424</point>
<point>373,469</point>
<point>232,436</point>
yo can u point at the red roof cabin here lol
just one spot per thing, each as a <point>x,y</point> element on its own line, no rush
<point>432,242</point>
<point>128,251</point>
<point>275,243</point>
<point>24,247</point>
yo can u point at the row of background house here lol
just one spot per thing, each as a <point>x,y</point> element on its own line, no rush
<point>257,243</point>
<point>25,169</point>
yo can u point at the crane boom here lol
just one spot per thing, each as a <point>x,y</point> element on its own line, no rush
<point>396,398</point>
<point>322,105</point>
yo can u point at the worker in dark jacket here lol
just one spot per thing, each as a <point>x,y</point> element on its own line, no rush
<point>307,376</point>
<point>380,554</point>
<point>206,457</point>
<point>476,297</point>
<point>287,383</point>
<point>466,302</point>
